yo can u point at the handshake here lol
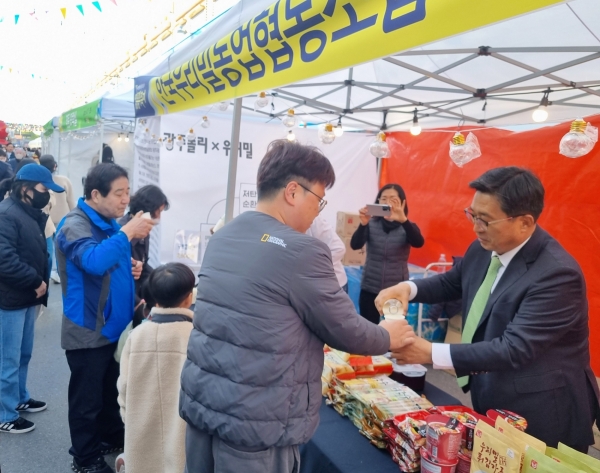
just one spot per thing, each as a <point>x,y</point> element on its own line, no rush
<point>405,346</point>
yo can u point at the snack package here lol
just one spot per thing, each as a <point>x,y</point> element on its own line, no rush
<point>494,452</point>
<point>507,429</point>
<point>582,457</point>
<point>536,462</point>
<point>568,461</point>
<point>513,419</point>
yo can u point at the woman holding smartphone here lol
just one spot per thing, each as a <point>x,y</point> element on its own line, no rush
<point>388,241</point>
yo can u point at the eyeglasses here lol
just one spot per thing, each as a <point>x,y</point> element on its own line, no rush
<point>482,223</point>
<point>322,201</point>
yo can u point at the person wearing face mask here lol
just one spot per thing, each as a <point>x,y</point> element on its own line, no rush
<point>148,200</point>
<point>23,287</point>
<point>388,240</point>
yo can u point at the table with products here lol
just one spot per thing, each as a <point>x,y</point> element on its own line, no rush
<point>338,447</point>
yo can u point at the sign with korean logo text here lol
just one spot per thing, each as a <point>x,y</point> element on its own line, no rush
<point>293,40</point>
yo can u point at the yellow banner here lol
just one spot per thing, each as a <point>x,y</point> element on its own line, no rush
<point>295,40</point>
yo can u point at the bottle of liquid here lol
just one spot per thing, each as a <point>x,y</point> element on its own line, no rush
<point>442,269</point>
<point>392,310</point>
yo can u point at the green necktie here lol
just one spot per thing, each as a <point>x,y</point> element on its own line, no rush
<point>477,308</point>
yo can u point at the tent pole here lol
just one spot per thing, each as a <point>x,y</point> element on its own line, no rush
<point>378,171</point>
<point>101,142</point>
<point>233,158</point>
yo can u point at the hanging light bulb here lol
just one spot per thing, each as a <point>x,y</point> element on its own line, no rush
<point>415,129</point>
<point>291,136</point>
<point>379,148</point>
<point>146,133</point>
<point>179,141</point>
<point>338,130</point>
<point>127,138</point>
<point>191,136</point>
<point>223,106</point>
<point>119,137</point>
<point>262,101</point>
<point>326,134</point>
<point>464,150</point>
<point>169,144</point>
<point>580,140</point>
<point>290,119</point>
<point>540,114</point>
<point>159,142</point>
<point>205,122</point>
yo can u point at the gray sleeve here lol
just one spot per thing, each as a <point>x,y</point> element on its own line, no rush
<point>327,310</point>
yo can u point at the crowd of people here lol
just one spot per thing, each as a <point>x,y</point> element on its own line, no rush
<point>235,385</point>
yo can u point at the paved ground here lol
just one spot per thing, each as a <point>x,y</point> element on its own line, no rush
<point>45,450</point>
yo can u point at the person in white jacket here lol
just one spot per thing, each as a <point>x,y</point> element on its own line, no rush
<point>149,385</point>
<point>322,230</point>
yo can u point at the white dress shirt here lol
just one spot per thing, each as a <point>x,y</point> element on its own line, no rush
<point>440,352</point>
<point>322,230</point>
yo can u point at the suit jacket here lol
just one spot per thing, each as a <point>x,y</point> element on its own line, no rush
<point>530,352</point>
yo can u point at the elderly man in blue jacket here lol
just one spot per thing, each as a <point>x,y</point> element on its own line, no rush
<point>95,265</point>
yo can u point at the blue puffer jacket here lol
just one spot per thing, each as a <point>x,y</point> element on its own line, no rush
<point>94,262</point>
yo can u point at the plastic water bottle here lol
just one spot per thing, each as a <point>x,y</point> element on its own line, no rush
<point>392,310</point>
<point>442,269</point>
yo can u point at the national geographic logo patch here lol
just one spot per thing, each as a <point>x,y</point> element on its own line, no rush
<point>266,238</point>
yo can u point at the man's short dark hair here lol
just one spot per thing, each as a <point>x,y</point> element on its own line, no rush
<point>519,191</point>
<point>48,161</point>
<point>287,161</point>
<point>149,198</point>
<point>3,153</point>
<point>101,178</point>
<point>171,283</point>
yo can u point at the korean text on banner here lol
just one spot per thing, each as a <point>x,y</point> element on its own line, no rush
<point>81,117</point>
<point>295,40</point>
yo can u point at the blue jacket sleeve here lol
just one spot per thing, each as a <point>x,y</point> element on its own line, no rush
<point>93,257</point>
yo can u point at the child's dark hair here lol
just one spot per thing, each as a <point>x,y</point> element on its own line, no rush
<point>171,283</point>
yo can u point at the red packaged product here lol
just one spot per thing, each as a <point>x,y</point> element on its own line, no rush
<point>444,438</point>
<point>428,465</point>
<point>513,419</point>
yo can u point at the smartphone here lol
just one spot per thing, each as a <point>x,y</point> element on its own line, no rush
<point>379,210</point>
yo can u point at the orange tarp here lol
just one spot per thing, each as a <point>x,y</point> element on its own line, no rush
<point>437,192</point>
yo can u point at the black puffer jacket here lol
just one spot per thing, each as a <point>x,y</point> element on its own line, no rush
<point>23,254</point>
<point>387,252</point>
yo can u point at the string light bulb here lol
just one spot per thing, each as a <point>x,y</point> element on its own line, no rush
<point>540,114</point>
<point>169,144</point>
<point>223,106</point>
<point>127,138</point>
<point>290,119</point>
<point>119,138</point>
<point>179,141</point>
<point>326,134</point>
<point>205,122</point>
<point>262,101</point>
<point>339,130</point>
<point>379,148</point>
<point>580,139</point>
<point>291,136</point>
<point>191,136</point>
<point>415,129</point>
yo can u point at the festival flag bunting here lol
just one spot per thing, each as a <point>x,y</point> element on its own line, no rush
<point>17,19</point>
<point>97,5</point>
<point>64,12</point>
<point>33,14</point>
<point>80,8</point>
<point>115,2</point>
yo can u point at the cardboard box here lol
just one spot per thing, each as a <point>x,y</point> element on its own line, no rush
<point>454,334</point>
<point>346,224</point>
<point>353,257</point>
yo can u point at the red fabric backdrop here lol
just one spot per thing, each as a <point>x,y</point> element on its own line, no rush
<point>437,192</point>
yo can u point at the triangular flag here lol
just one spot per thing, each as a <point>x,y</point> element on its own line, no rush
<point>1,19</point>
<point>64,12</point>
<point>115,2</point>
<point>80,8</point>
<point>97,5</point>
<point>17,19</point>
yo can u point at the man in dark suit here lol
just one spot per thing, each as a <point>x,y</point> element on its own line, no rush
<point>525,341</point>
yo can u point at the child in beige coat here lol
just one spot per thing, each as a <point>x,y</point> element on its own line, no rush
<point>149,386</point>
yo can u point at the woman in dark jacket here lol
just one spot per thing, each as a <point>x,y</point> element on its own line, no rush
<point>23,284</point>
<point>388,241</point>
<point>148,199</point>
